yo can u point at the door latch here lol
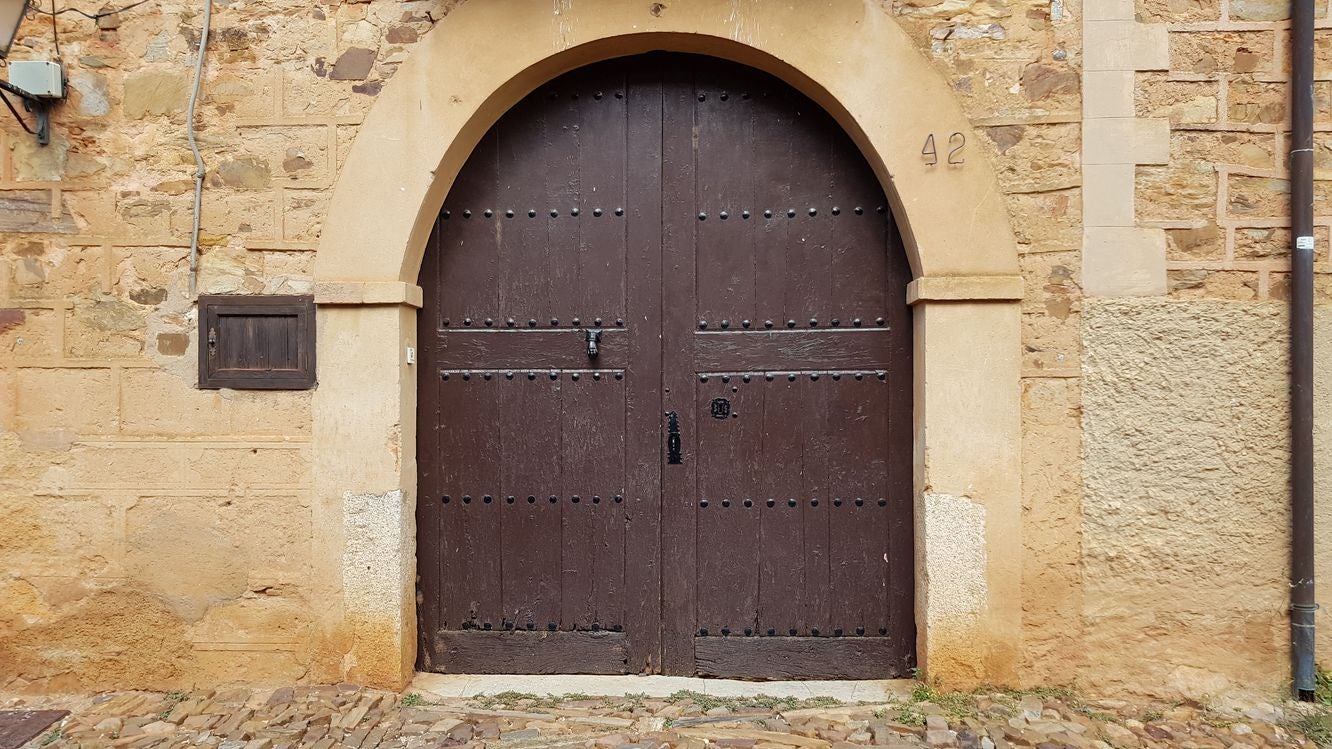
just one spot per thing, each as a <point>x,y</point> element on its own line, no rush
<point>212,341</point>
<point>593,339</point>
<point>673,438</point>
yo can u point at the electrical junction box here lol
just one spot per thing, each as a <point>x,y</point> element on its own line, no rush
<point>38,77</point>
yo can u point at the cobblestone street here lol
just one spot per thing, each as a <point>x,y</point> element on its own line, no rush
<point>350,717</point>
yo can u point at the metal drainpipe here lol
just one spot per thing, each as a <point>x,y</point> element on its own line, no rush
<point>1302,605</point>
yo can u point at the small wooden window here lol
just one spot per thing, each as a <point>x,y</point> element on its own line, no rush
<point>257,342</point>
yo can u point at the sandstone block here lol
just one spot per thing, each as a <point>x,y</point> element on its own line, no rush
<point>94,99</point>
<point>80,400</point>
<point>30,211</point>
<point>157,402</point>
<point>155,93</point>
<point>30,333</point>
<point>1123,262</point>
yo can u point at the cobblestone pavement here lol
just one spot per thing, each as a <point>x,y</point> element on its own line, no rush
<point>350,717</point>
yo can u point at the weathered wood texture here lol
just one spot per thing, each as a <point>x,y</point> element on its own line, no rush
<point>257,342</point>
<point>800,658</point>
<point>532,652</point>
<point>18,727</point>
<point>736,251</point>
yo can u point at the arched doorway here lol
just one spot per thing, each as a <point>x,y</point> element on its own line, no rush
<point>664,390</point>
<point>856,63</point>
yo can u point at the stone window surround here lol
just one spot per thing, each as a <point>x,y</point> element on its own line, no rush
<point>966,292</point>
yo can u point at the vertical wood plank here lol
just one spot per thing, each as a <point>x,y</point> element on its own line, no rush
<point>429,507</point>
<point>642,496</point>
<point>520,179</point>
<point>530,419</point>
<point>899,490</point>
<point>470,449</point>
<point>858,448</point>
<point>679,482</point>
<point>729,554</point>
<point>782,536</point>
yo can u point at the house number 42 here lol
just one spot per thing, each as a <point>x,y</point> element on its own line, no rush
<point>955,143</point>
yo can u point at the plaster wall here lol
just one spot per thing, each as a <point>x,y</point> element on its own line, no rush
<point>1186,499</point>
<point>155,535</point>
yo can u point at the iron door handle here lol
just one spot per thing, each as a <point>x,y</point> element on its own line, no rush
<point>673,439</point>
<point>593,340</point>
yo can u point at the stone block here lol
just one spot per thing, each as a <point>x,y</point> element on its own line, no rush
<point>54,272</point>
<point>106,465</point>
<point>141,270</point>
<point>1108,10</point>
<point>307,94</point>
<point>1107,93</point>
<point>1180,102</point>
<point>159,403</point>
<point>1049,343</point>
<point>1107,194</point>
<point>1257,150</point>
<point>1213,52</point>
<point>173,344</point>
<point>1044,155</point>
<point>93,98</point>
<point>269,412</point>
<point>1215,284</point>
<point>30,211</point>
<point>1179,11</point>
<point>231,271</point>
<point>303,214</point>
<point>293,153</point>
<point>1254,103</point>
<point>274,535</point>
<point>1258,197</point>
<point>1262,10</point>
<point>1125,45</point>
<point>1047,221</point>
<point>1123,262</point>
<point>149,215</point>
<point>30,332</point>
<point>155,92</point>
<point>1125,141</point>
<point>1051,283</point>
<point>83,401</point>
<point>105,327</point>
<point>60,536</point>
<point>1267,243</point>
<point>34,162</point>
<point>179,549</point>
<point>1183,191</point>
<point>276,466</point>
<point>1207,242</point>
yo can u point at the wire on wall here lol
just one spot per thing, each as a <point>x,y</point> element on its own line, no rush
<point>199,170</point>
<point>55,32</point>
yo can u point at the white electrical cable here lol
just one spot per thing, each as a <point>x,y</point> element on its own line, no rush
<point>199,171</point>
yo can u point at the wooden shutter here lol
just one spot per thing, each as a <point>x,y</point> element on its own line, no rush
<point>257,342</point>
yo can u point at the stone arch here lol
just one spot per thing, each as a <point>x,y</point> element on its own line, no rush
<point>849,56</point>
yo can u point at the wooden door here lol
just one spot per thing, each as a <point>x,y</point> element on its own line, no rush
<point>787,352</point>
<point>723,487</point>
<point>539,425</point>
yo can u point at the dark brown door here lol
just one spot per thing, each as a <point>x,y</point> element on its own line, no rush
<point>665,395</point>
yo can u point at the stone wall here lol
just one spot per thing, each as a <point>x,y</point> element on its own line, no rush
<point>155,534</point>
